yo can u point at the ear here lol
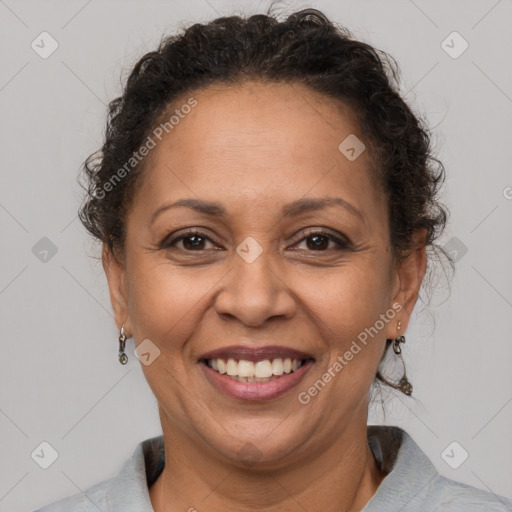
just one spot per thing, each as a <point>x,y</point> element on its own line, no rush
<point>116,277</point>
<point>407,282</point>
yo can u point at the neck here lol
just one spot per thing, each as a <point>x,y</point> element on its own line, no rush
<point>341,477</point>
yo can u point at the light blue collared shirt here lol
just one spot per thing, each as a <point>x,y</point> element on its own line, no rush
<point>411,485</point>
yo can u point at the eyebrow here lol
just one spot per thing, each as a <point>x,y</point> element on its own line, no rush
<point>292,209</point>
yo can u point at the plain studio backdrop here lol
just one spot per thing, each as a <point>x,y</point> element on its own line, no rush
<point>60,380</point>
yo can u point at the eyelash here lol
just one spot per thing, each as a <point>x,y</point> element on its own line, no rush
<point>342,245</point>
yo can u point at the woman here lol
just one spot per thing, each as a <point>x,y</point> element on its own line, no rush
<point>266,202</point>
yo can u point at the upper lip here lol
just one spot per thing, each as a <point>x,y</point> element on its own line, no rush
<point>254,354</point>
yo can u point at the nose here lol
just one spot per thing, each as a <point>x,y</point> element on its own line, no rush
<point>255,292</point>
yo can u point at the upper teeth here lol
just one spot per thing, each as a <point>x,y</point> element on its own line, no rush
<point>260,369</point>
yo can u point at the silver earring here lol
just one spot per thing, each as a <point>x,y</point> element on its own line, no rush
<point>123,358</point>
<point>404,385</point>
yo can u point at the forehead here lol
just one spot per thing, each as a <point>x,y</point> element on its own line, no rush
<point>266,143</point>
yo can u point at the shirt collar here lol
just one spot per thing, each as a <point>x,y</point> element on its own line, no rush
<point>129,490</point>
<point>408,469</point>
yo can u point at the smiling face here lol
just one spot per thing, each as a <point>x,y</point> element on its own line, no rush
<point>272,266</point>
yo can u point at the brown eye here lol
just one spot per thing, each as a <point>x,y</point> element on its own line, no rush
<point>191,241</point>
<point>319,241</point>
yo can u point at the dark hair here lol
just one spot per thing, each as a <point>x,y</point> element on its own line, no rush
<point>305,48</point>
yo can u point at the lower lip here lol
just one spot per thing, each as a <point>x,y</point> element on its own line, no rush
<point>256,391</point>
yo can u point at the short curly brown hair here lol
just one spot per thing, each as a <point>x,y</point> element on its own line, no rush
<point>305,48</point>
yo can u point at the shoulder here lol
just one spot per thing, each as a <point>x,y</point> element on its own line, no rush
<point>412,483</point>
<point>92,500</point>
<point>128,491</point>
<point>454,496</point>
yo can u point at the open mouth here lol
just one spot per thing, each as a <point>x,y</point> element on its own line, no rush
<point>265,370</point>
<point>255,374</point>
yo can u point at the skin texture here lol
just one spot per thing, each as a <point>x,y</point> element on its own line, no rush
<point>254,148</point>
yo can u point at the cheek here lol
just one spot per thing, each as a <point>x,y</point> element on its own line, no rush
<point>348,299</point>
<point>165,301</point>
<point>350,324</point>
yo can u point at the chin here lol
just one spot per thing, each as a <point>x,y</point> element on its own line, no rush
<point>254,443</point>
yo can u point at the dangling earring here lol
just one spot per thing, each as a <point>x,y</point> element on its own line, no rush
<point>404,385</point>
<point>123,358</point>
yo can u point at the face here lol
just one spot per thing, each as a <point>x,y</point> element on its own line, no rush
<point>268,272</point>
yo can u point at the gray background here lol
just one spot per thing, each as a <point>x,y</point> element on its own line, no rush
<point>60,380</point>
